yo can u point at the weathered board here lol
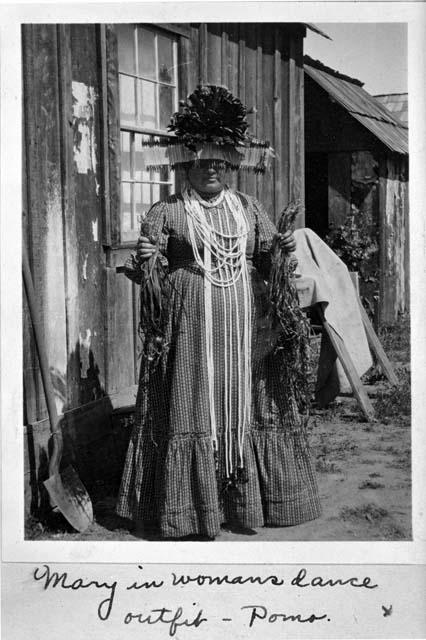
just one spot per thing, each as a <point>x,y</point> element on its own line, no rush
<point>89,255</point>
<point>45,235</point>
<point>394,238</point>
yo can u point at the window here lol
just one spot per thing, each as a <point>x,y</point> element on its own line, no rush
<point>147,64</point>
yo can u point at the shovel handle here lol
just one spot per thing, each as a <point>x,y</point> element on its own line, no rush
<point>44,366</point>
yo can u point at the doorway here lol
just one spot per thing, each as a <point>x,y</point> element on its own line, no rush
<point>316,192</point>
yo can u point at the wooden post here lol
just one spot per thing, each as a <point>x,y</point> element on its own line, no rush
<point>376,346</point>
<point>348,367</point>
<point>372,337</point>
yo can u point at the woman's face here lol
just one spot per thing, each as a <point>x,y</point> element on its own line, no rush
<point>207,176</point>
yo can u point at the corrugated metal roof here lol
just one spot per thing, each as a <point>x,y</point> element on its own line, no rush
<point>365,108</point>
<point>396,103</point>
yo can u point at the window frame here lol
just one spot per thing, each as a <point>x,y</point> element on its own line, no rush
<point>116,247</point>
<point>154,181</point>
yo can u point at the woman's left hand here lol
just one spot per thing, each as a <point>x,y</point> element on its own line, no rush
<point>287,241</point>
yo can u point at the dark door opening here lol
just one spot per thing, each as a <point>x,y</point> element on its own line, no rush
<point>316,192</point>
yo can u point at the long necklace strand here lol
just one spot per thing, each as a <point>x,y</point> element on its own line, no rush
<point>223,264</point>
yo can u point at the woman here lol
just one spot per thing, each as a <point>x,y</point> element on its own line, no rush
<point>216,439</point>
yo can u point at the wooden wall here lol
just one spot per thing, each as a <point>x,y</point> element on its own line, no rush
<point>63,210</point>
<point>394,237</point>
<point>71,207</point>
<point>263,65</point>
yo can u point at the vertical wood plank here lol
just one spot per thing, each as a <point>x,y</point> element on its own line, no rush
<point>195,59</point>
<point>277,127</point>
<point>213,54</point>
<point>285,118</point>
<point>91,256</point>
<point>121,337</point>
<point>184,67</point>
<point>251,96</point>
<point>259,100</point>
<point>292,123</point>
<point>405,196</point>
<point>296,122</point>
<point>103,70</point>
<point>41,115</point>
<point>230,71</point>
<point>300,108</point>
<point>31,374</point>
<point>267,74</point>
<point>242,182</point>
<point>382,238</point>
<point>69,218</point>
<point>203,53</point>
<point>113,109</point>
<point>224,57</point>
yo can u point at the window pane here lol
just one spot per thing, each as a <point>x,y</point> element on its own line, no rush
<point>126,48</point>
<point>155,193</point>
<point>146,195</point>
<point>165,59</point>
<point>146,92</point>
<point>126,207</point>
<point>127,100</point>
<point>146,53</point>
<point>125,156</point>
<point>138,157</point>
<point>142,201</point>
<point>166,105</point>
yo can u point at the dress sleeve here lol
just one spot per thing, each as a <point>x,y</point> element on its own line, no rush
<point>264,234</point>
<point>154,226</point>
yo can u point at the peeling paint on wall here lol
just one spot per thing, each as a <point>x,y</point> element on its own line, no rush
<point>84,100</point>
<point>53,302</point>
<point>85,343</point>
<point>84,267</point>
<point>95,230</point>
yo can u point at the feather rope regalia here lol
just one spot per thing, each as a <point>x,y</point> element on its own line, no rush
<point>293,344</point>
<point>154,303</point>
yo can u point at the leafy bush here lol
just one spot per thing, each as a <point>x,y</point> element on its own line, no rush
<point>353,242</point>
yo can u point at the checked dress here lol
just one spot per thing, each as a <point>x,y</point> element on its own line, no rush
<point>172,479</point>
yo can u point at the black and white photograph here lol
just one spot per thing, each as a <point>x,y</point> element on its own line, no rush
<point>216,310</point>
<point>213,252</point>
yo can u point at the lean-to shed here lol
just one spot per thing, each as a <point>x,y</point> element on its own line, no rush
<point>357,164</point>
<point>91,93</point>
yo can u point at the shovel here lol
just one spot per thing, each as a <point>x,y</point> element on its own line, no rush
<point>66,491</point>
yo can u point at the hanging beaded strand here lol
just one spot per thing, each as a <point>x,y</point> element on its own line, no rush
<point>227,267</point>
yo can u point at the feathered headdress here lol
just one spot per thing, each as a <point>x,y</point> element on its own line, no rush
<point>210,125</point>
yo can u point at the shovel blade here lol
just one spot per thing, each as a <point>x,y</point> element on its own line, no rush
<point>70,496</point>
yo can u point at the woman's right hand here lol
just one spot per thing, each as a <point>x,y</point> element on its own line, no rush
<point>144,248</point>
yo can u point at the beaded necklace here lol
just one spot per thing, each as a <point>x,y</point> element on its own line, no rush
<point>223,263</point>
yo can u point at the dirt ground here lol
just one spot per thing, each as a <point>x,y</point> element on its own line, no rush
<point>364,471</point>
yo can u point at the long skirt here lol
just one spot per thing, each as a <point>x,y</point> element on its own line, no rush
<point>172,479</point>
